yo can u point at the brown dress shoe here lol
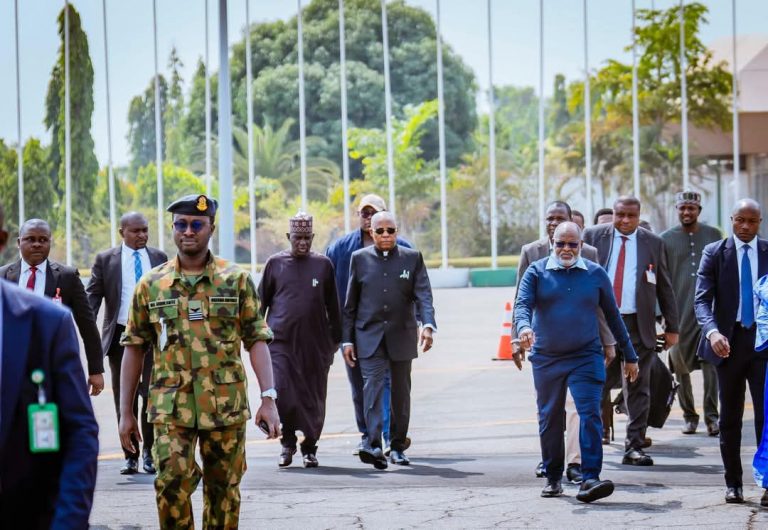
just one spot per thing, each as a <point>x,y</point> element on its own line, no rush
<point>286,456</point>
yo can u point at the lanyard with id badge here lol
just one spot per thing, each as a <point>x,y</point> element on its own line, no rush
<point>43,420</point>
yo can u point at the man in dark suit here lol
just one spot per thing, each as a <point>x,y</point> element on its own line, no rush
<point>636,262</point>
<point>62,284</point>
<point>113,278</point>
<point>53,489</point>
<point>387,284</point>
<point>725,308</point>
<point>558,212</point>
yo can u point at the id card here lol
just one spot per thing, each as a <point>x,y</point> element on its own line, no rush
<point>650,276</point>
<point>43,428</point>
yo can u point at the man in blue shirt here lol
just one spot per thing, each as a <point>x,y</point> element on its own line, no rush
<point>340,254</point>
<point>564,291</point>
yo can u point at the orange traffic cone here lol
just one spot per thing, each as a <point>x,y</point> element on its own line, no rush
<point>505,341</point>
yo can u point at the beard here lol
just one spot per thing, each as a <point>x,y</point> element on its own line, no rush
<point>567,263</point>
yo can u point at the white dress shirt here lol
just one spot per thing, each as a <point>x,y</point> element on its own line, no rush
<point>628,299</point>
<point>752,263</point>
<point>42,268</point>
<point>129,279</point>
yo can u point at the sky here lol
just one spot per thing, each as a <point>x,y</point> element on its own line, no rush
<point>181,23</point>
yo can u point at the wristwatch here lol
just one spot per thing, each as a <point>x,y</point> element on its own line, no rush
<point>269,393</point>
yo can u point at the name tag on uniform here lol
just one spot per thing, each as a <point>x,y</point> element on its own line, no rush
<point>43,428</point>
<point>223,299</point>
<point>195,310</point>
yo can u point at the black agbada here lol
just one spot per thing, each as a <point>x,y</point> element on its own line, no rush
<point>300,300</point>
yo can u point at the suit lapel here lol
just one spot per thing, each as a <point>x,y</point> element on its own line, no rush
<point>155,258</point>
<point>51,278</point>
<point>605,246</point>
<point>731,264</point>
<point>643,257</point>
<point>16,336</point>
<point>114,273</point>
<point>14,272</point>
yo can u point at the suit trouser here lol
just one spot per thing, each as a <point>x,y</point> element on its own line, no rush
<point>685,395</point>
<point>584,376</point>
<point>374,370</point>
<point>355,376</point>
<point>115,355</point>
<point>637,395</point>
<point>742,367</point>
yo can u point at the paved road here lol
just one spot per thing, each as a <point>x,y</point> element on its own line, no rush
<point>475,447</point>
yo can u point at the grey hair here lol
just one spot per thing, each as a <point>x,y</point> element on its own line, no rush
<point>381,216</point>
<point>566,225</point>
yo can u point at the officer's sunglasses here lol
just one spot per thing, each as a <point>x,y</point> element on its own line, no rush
<point>196,226</point>
<point>389,230</point>
<point>570,244</point>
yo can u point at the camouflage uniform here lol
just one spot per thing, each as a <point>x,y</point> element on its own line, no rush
<point>198,385</point>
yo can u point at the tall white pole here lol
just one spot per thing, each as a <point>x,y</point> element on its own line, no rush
<point>226,216</point>
<point>302,113</point>
<point>492,146</point>
<point>249,105</point>
<point>19,146</point>
<point>587,116</point>
<point>158,140</point>
<point>67,140</point>
<point>344,147</point>
<point>735,85</point>
<point>208,158</point>
<point>541,118</point>
<point>635,114</point>
<point>441,138</point>
<point>684,99</point>
<point>110,172</point>
<point>388,108</point>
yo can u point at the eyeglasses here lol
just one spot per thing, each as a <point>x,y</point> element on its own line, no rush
<point>570,244</point>
<point>367,214</point>
<point>196,226</point>
<point>389,230</point>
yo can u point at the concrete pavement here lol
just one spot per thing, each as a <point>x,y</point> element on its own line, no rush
<point>475,447</point>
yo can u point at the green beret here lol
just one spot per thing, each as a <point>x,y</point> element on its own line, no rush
<point>194,205</point>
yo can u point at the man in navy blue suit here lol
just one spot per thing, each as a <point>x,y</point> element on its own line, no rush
<point>51,489</point>
<point>725,308</point>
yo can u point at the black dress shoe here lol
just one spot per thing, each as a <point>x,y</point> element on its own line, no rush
<point>399,458</point>
<point>149,465</point>
<point>130,467</point>
<point>736,496</point>
<point>689,427</point>
<point>310,460</point>
<point>764,499</point>
<point>375,457</point>
<point>552,489</point>
<point>713,429</point>
<point>540,471</point>
<point>573,473</point>
<point>286,456</point>
<point>636,457</point>
<point>594,489</point>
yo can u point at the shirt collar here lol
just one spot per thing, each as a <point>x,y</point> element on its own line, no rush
<point>208,271</point>
<point>752,244</point>
<point>128,251</point>
<point>554,265</point>
<point>619,235</point>
<point>41,267</point>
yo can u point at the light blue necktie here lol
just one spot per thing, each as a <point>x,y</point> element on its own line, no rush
<point>137,272</point>
<point>747,305</point>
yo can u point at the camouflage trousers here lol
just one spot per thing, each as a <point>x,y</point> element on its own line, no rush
<point>222,452</point>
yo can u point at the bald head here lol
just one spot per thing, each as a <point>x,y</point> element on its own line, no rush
<point>746,218</point>
<point>132,217</point>
<point>746,204</point>
<point>382,216</point>
<point>384,230</point>
<point>134,229</point>
<point>37,224</point>
<point>568,227</point>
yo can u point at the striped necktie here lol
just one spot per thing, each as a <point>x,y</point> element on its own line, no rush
<point>137,272</point>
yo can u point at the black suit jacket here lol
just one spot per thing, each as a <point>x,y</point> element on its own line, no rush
<point>718,292</point>
<point>44,490</point>
<point>72,292</point>
<point>107,284</point>
<point>650,251</point>
<point>382,296</point>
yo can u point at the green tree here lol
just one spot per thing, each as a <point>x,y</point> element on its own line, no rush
<point>84,165</point>
<point>141,124</point>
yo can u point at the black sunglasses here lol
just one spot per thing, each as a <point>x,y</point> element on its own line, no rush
<point>563,244</point>
<point>388,230</point>
<point>196,226</point>
<point>367,214</point>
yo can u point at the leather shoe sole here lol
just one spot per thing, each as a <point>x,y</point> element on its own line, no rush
<point>599,490</point>
<point>367,457</point>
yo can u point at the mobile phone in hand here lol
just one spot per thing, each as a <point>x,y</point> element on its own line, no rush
<point>264,427</point>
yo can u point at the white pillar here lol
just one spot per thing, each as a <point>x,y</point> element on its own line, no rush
<point>735,111</point>
<point>19,146</point>
<point>67,141</point>
<point>388,109</point>
<point>635,114</point>
<point>158,140</point>
<point>541,119</point>
<point>208,157</point>
<point>302,113</point>
<point>344,147</point>
<point>226,215</point>
<point>587,118</point>
<point>684,99</point>
<point>492,146</point>
<point>249,105</point>
<point>110,172</point>
<point>441,139</point>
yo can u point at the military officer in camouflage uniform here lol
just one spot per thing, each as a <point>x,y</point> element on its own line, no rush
<point>196,310</point>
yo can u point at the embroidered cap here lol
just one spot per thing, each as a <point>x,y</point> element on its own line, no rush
<point>688,197</point>
<point>301,223</point>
